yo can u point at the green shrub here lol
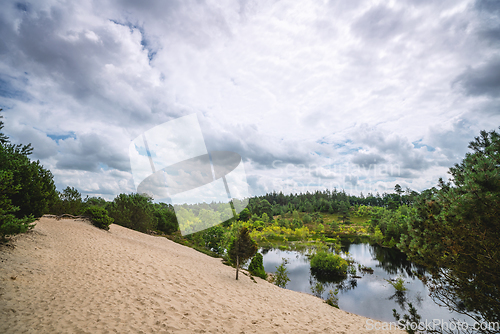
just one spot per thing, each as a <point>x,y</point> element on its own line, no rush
<point>166,220</point>
<point>297,223</point>
<point>284,223</point>
<point>244,215</point>
<point>133,211</point>
<point>214,239</point>
<point>332,299</point>
<point>281,275</point>
<point>334,225</point>
<point>328,264</point>
<point>26,185</point>
<point>98,216</point>
<point>317,289</point>
<point>10,225</point>
<point>399,284</point>
<point>256,266</point>
<point>320,228</point>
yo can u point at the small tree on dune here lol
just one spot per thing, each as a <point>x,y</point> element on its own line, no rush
<point>256,266</point>
<point>242,248</point>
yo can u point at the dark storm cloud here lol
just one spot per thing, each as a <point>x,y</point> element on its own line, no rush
<point>74,63</point>
<point>489,25</point>
<point>482,80</point>
<point>490,6</point>
<point>492,35</point>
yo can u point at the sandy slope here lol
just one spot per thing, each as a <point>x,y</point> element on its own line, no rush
<point>70,277</point>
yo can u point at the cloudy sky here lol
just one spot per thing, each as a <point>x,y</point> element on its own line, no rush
<point>357,95</point>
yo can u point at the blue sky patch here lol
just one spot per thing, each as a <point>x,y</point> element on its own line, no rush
<point>417,144</point>
<point>57,137</point>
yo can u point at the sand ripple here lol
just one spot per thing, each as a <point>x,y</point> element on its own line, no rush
<point>69,277</point>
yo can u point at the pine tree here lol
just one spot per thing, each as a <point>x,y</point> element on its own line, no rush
<point>456,233</point>
<point>242,248</point>
<point>26,188</point>
<point>256,266</point>
<point>344,212</point>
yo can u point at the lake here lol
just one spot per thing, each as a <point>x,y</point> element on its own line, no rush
<point>371,295</point>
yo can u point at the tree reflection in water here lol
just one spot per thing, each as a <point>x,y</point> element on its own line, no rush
<point>392,261</point>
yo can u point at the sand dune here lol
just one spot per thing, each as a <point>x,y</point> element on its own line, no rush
<point>69,277</point>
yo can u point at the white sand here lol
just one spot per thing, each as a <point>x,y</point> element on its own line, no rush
<point>68,276</point>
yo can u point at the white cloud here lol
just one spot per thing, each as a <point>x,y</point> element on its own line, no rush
<point>319,85</point>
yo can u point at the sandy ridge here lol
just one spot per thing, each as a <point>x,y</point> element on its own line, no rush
<point>69,277</point>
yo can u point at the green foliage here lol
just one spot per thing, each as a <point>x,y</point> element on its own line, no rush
<point>98,216</point>
<point>317,289</point>
<point>320,228</point>
<point>326,263</point>
<point>281,275</point>
<point>244,215</point>
<point>256,266</point>
<point>261,206</point>
<point>69,201</point>
<point>94,201</point>
<point>214,239</point>
<point>188,220</point>
<point>241,248</point>
<point>26,188</point>
<point>389,225</point>
<point>456,230</point>
<point>166,220</point>
<point>133,211</point>
<point>306,219</point>
<point>10,224</point>
<point>296,223</point>
<point>351,270</point>
<point>332,298</point>
<point>258,225</point>
<point>398,190</point>
<point>316,216</point>
<point>378,237</point>
<point>302,233</point>
<point>398,284</point>
<point>344,212</point>
<point>334,225</point>
<point>35,185</point>
<point>283,223</point>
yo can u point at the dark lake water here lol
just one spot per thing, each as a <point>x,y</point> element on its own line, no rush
<point>370,296</point>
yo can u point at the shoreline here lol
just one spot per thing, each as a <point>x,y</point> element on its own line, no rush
<point>69,276</point>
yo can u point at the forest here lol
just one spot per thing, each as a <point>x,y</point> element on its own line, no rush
<point>452,229</point>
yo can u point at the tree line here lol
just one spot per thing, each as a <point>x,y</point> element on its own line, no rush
<point>452,229</point>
